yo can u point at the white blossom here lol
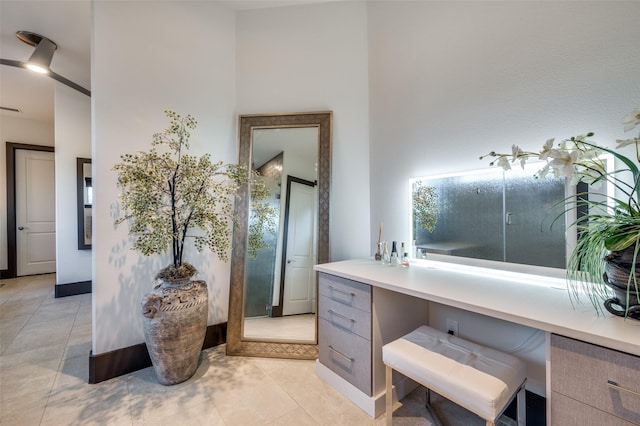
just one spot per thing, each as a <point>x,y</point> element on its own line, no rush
<point>563,162</point>
<point>504,163</point>
<point>631,120</point>
<point>546,149</point>
<point>624,142</point>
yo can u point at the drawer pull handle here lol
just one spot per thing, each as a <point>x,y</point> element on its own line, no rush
<point>332,288</point>
<point>615,386</point>
<point>348,358</point>
<point>332,312</point>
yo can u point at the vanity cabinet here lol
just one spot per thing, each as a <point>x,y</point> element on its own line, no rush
<point>354,320</point>
<point>344,329</point>
<point>592,385</point>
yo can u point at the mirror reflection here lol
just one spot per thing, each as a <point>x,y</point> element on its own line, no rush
<point>489,214</point>
<point>85,202</point>
<point>280,283</point>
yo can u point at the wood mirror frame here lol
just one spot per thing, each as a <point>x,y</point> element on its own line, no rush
<point>236,343</point>
<point>84,228</point>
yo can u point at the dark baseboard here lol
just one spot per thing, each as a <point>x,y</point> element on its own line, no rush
<point>536,410</point>
<point>216,335</point>
<point>133,358</point>
<point>4,274</point>
<point>117,363</point>
<point>73,289</point>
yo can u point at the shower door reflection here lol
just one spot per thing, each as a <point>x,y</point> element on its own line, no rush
<point>493,215</point>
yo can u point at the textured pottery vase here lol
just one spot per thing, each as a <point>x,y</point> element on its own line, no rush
<point>175,323</point>
<point>616,276</point>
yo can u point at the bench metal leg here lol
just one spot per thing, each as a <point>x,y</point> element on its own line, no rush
<point>522,406</point>
<point>432,412</point>
<point>389,396</point>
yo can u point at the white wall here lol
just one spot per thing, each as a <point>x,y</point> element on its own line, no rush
<point>314,58</point>
<point>17,130</point>
<point>451,81</point>
<point>148,57</point>
<point>73,140</point>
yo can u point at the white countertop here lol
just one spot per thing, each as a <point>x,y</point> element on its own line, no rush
<point>530,300</point>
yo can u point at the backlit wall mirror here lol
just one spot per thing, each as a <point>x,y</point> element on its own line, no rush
<point>85,202</point>
<point>501,216</point>
<point>272,303</point>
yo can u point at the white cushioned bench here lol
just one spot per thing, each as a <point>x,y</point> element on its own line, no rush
<point>480,379</point>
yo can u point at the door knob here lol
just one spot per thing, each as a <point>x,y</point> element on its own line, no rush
<point>290,261</point>
<point>20,228</point>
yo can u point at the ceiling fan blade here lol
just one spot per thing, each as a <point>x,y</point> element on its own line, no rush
<point>53,75</point>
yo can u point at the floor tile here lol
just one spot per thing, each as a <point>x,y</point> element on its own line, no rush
<point>10,328</point>
<point>84,404</point>
<point>26,372</point>
<point>23,410</point>
<point>41,335</point>
<point>44,366</point>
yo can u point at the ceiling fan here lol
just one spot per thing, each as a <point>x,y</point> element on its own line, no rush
<point>40,59</point>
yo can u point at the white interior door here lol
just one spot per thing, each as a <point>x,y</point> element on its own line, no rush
<point>299,279</point>
<point>35,212</point>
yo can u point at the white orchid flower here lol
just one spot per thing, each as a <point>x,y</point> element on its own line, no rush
<point>546,149</point>
<point>516,152</point>
<point>631,120</point>
<point>590,154</point>
<point>504,163</point>
<point>543,172</point>
<point>563,162</point>
<point>624,142</point>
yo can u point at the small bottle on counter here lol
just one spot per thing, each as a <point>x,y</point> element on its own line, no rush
<point>405,260</point>
<point>385,253</point>
<point>395,258</point>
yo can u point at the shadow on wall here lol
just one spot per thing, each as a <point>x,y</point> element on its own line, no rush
<point>134,281</point>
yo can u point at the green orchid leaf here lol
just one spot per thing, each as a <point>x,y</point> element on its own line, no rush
<point>621,242</point>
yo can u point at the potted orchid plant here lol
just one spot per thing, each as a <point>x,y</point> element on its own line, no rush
<point>604,263</point>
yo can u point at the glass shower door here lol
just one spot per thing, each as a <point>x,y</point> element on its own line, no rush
<point>534,221</point>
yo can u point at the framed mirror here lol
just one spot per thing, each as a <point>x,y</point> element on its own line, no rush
<point>273,295</point>
<point>85,202</point>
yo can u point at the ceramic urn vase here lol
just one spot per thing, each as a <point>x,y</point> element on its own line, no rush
<point>617,275</point>
<point>175,323</point>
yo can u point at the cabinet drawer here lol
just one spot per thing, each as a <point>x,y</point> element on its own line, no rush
<point>345,317</point>
<point>569,412</point>
<point>346,354</point>
<point>582,371</point>
<point>347,292</point>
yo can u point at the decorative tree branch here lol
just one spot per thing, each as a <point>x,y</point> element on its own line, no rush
<point>166,194</point>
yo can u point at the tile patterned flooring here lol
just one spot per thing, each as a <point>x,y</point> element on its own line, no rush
<point>44,351</point>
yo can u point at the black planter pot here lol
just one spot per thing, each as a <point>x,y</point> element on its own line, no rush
<point>617,272</point>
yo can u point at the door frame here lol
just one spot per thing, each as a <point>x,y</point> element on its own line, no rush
<point>277,310</point>
<point>12,248</point>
